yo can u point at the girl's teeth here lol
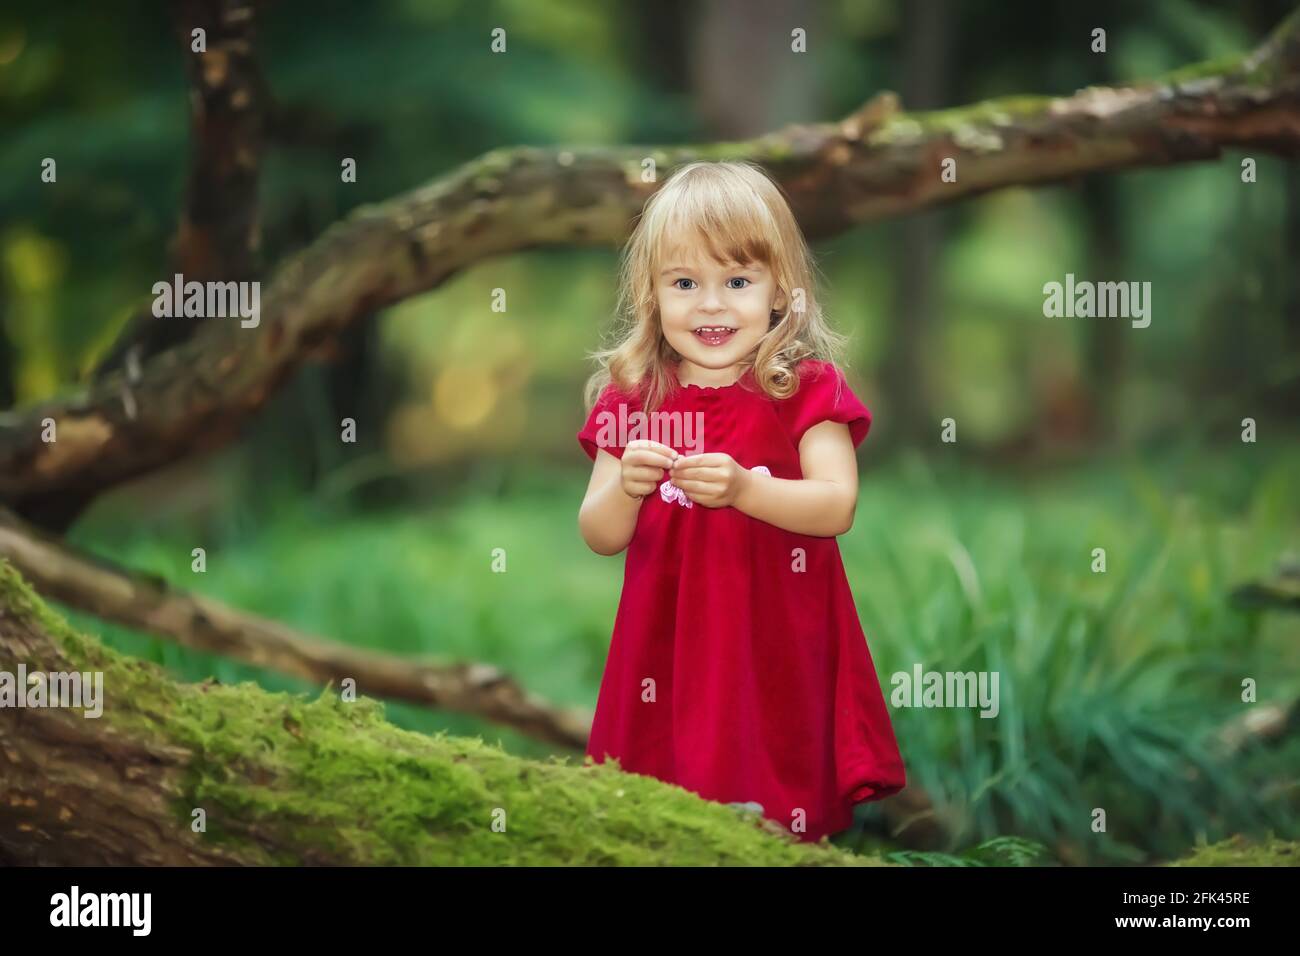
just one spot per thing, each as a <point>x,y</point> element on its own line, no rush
<point>715,334</point>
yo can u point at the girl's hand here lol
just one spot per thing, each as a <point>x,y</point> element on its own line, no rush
<point>713,479</point>
<point>644,462</point>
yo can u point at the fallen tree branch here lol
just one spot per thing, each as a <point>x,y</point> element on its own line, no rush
<point>149,604</point>
<point>1262,725</point>
<point>1280,591</point>
<point>877,162</point>
<point>285,779</point>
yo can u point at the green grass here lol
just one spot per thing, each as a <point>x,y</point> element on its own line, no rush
<point>1112,684</point>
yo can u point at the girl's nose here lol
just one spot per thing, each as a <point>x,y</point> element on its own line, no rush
<point>712,301</point>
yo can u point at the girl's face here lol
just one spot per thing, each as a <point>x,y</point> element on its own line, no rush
<point>714,315</point>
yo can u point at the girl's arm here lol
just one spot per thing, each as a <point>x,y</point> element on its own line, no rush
<point>821,504</point>
<point>607,518</point>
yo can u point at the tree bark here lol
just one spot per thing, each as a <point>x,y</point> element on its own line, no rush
<point>149,604</point>
<point>218,236</point>
<point>876,162</point>
<point>288,780</point>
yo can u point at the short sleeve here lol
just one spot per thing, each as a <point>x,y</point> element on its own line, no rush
<point>824,396</point>
<point>603,428</point>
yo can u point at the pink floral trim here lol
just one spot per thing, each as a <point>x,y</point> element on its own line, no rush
<point>670,493</point>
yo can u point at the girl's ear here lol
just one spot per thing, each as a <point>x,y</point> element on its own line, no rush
<point>778,308</point>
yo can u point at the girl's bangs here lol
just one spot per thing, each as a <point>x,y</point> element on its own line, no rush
<point>726,231</point>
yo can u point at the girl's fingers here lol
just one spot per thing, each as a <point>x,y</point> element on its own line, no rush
<point>684,465</point>
<point>646,457</point>
<point>699,487</point>
<point>713,458</point>
<point>654,447</point>
<point>698,474</point>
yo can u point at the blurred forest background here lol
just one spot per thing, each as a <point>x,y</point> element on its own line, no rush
<point>1073,434</point>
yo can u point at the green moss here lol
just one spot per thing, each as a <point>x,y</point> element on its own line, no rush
<point>1264,71</point>
<point>974,126</point>
<point>495,162</point>
<point>322,780</point>
<point>1001,111</point>
<point>1240,851</point>
<point>17,598</point>
<point>719,152</point>
<point>1220,66</point>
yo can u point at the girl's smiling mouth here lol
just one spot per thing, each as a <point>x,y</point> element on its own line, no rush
<point>714,334</point>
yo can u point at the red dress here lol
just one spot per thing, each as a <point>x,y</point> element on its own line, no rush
<point>738,668</point>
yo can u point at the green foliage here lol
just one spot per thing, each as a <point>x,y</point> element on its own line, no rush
<point>1000,851</point>
<point>1112,685</point>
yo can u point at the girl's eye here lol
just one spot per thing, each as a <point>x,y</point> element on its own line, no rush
<point>738,279</point>
<point>675,281</point>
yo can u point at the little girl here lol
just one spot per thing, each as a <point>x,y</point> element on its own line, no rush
<point>737,667</point>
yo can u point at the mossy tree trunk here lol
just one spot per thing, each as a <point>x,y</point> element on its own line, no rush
<point>146,603</point>
<point>288,779</point>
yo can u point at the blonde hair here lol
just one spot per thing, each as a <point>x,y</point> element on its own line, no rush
<point>739,214</point>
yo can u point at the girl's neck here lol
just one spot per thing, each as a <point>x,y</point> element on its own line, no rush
<point>688,373</point>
